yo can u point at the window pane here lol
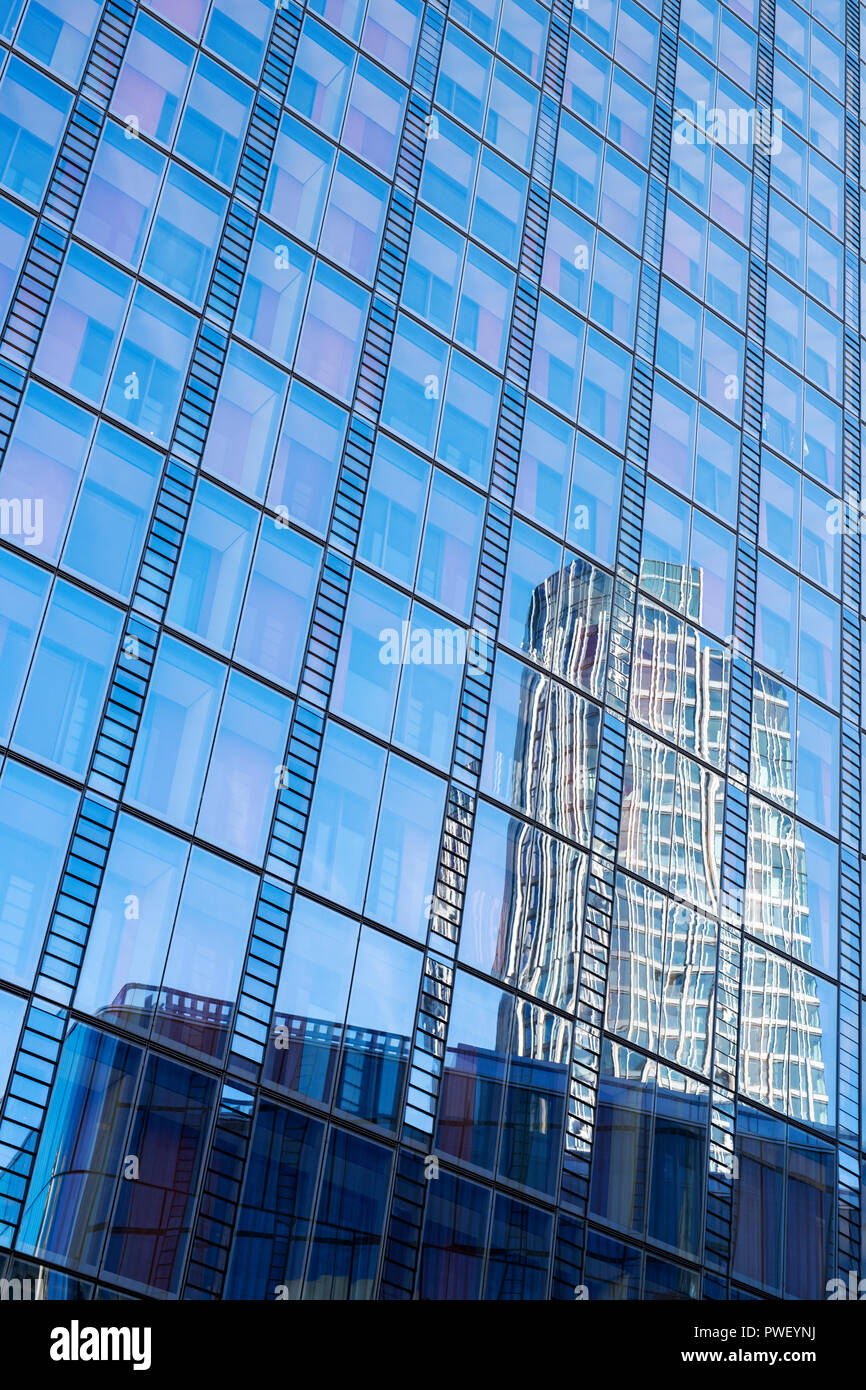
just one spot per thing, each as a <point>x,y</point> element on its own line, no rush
<point>242,779</point>
<point>113,510</point>
<point>23,589</point>
<point>342,820</point>
<point>41,470</point>
<point>31,127</point>
<point>312,995</point>
<point>211,575</point>
<point>449,552</point>
<point>379,1025</point>
<point>330,343</point>
<point>403,868</point>
<point>36,815</point>
<point>132,924</point>
<point>68,679</point>
<point>171,752</point>
<point>206,956</point>
<point>151,364</point>
<point>345,1247</point>
<point>153,75</point>
<point>186,229</point>
<point>278,604</point>
<point>214,120</point>
<point>119,198</point>
<point>81,329</point>
<point>240,441</point>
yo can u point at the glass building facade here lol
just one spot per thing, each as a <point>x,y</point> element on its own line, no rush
<point>430,648</point>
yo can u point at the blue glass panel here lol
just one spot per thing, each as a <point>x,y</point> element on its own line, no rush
<point>153,76</point>
<point>808,1215</point>
<point>68,679</point>
<point>31,126</point>
<point>758,1229</point>
<point>11,1018</point>
<point>15,228</point>
<point>298,180</point>
<point>83,322</point>
<point>612,1269</point>
<point>473,1081</point>
<point>243,431</point>
<point>273,292</point>
<point>342,820</point>
<point>312,995</point>
<point>368,662</point>
<point>449,552</point>
<point>245,768</point>
<point>132,924</point>
<point>186,229</point>
<point>394,510</point>
<point>278,603</point>
<point>307,458</point>
<point>273,1222</point>
<point>174,741</point>
<point>349,1219</point>
<point>81,1150</point>
<point>429,689</point>
<point>379,1026</point>
<point>113,511</point>
<point>321,73</point>
<point>41,470</point>
<point>678,1161</point>
<point>212,572</point>
<point>519,1251</point>
<point>36,815</point>
<point>120,194</point>
<point>151,364</point>
<point>238,31</point>
<point>151,1224</point>
<point>455,1230</point>
<point>205,959</point>
<point>23,588</point>
<point>535,1098</point>
<point>622,1137</point>
<point>407,842</point>
<point>214,120</point>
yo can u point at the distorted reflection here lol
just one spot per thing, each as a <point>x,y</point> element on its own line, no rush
<point>680,683</point>
<point>791,900</point>
<point>661,989</point>
<point>671,823</point>
<point>787,1037</point>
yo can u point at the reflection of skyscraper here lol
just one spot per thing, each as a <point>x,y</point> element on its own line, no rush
<point>424,304</point>
<point>554,768</point>
<point>782,1059</point>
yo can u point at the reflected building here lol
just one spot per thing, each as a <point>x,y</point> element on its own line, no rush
<point>416,978</point>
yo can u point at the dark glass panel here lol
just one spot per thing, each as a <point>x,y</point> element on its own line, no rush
<point>349,1221</point>
<point>519,1251</point>
<point>612,1268</point>
<point>452,1252</point>
<point>152,1219</point>
<point>276,1206</point>
<point>81,1151</point>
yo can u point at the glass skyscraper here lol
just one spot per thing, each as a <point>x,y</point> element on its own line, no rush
<point>430,649</point>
